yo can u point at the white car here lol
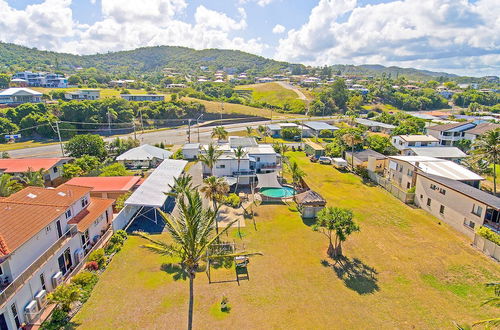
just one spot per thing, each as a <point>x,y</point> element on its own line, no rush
<point>325,160</point>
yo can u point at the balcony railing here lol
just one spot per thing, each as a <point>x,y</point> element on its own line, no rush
<point>10,290</point>
<point>246,172</point>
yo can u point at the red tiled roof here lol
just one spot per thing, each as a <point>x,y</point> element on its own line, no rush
<point>106,184</point>
<point>22,165</point>
<point>64,195</point>
<point>86,217</point>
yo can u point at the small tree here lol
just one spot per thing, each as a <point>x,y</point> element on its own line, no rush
<point>249,130</point>
<point>239,153</point>
<point>215,189</point>
<point>65,295</point>
<point>220,133</point>
<point>210,156</point>
<point>92,145</point>
<point>33,178</point>
<point>338,223</point>
<point>8,185</point>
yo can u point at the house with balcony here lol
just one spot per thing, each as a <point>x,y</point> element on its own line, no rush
<point>14,96</point>
<point>405,142</point>
<point>83,94</point>
<point>461,206</point>
<point>449,134</point>
<point>44,235</point>
<point>143,97</point>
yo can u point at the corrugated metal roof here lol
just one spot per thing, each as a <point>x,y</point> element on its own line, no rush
<point>152,192</point>
<point>439,152</point>
<point>145,152</point>
<point>367,122</point>
<point>319,125</point>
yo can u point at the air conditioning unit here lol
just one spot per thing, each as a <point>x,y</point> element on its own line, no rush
<point>41,298</point>
<point>57,279</point>
<point>79,255</point>
<point>31,311</point>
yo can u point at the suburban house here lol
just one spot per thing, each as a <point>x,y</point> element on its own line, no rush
<point>107,186</point>
<point>274,130</point>
<point>44,234</point>
<point>479,130</point>
<point>16,96</point>
<point>259,158</point>
<point>318,126</point>
<point>121,83</point>
<point>405,142</point>
<point>143,97</point>
<point>41,79</point>
<point>83,94</point>
<point>448,153</point>
<point>362,158</point>
<point>402,170</point>
<point>463,207</point>
<point>449,134</point>
<point>314,149</point>
<point>190,151</point>
<point>143,156</point>
<point>375,126</point>
<point>52,167</point>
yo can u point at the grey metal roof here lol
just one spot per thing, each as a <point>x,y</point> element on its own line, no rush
<point>465,189</point>
<point>439,152</point>
<point>319,125</point>
<point>274,127</point>
<point>367,122</point>
<point>152,192</point>
<point>364,154</point>
<point>145,152</point>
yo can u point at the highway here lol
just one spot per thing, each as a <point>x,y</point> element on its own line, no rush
<point>176,136</point>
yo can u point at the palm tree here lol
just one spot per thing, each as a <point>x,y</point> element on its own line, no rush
<point>214,188</point>
<point>219,132</point>
<point>352,139</point>
<point>239,153</point>
<point>249,130</point>
<point>297,173</point>
<point>192,235</point>
<point>210,156</point>
<point>182,184</point>
<point>8,185</point>
<point>487,147</point>
<point>33,178</point>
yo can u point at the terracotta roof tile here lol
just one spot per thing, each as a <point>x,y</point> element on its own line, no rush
<point>21,165</point>
<point>106,184</point>
<point>86,217</point>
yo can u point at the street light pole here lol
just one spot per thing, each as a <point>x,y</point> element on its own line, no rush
<point>198,126</point>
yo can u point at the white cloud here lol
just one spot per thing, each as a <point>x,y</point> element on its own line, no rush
<point>278,28</point>
<point>455,35</point>
<point>261,3</point>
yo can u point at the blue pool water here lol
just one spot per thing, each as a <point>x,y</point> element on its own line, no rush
<point>278,192</point>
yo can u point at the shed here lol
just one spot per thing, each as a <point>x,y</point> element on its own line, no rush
<point>314,149</point>
<point>310,203</point>
<point>190,150</point>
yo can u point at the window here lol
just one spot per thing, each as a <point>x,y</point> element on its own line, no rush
<point>55,169</point>
<point>85,239</point>
<point>68,214</point>
<point>15,315</point>
<point>441,209</point>
<point>84,202</point>
<point>1,271</point>
<point>42,281</point>
<point>409,172</point>
<point>411,144</point>
<point>48,229</point>
<point>221,166</point>
<point>470,224</point>
<point>442,191</point>
<point>421,196</point>
<point>258,159</point>
<point>477,210</point>
<point>428,202</point>
<point>407,185</point>
<point>401,169</point>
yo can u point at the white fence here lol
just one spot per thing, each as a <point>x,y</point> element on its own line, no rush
<point>397,192</point>
<point>487,247</point>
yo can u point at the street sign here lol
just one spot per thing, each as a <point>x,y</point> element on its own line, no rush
<point>12,136</point>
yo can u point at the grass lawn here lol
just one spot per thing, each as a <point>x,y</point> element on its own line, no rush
<point>403,270</point>
<point>274,94</point>
<point>22,145</point>
<point>383,106</point>
<point>105,92</point>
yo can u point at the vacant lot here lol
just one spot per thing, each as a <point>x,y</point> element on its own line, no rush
<point>403,270</point>
<point>275,94</point>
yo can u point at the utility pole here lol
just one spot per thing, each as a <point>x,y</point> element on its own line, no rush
<point>221,109</point>
<point>142,124</point>
<point>59,136</point>
<point>198,124</point>
<point>133,124</point>
<point>189,130</point>
<point>109,123</point>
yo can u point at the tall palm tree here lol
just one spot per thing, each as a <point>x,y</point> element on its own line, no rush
<point>296,172</point>
<point>239,153</point>
<point>249,130</point>
<point>191,232</point>
<point>487,147</point>
<point>33,178</point>
<point>8,185</point>
<point>182,184</point>
<point>352,139</point>
<point>219,132</point>
<point>214,188</point>
<point>210,156</point>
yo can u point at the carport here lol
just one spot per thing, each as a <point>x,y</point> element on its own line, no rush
<point>152,194</point>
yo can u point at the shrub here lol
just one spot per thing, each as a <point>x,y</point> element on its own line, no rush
<point>411,190</point>
<point>58,320</point>
<point>489,235</point>
<point>120,201</point>
<point>92,266</point>
<point>325,133</point>
<point>99,257</point>
<point>178,154</point>
<point>362,172</point>
<point>232,200</point>
<point>290,132</point>
<point>86,281</point>
<point>65,295</point>
<point>116,241</point>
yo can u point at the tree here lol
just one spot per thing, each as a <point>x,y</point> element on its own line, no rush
<point>116,169</point>
<point>182,184</point>
<point>289,133</point>
<point>8,185</point>
<point>7,127</point>
<point>487,146</point>
<point>239,153</point>
<point>463,145</point>
<point>4,80</point>
<point>215,189</point>
<point>33,178</point>
<point>249,130</point>
<point>65,295</point>
<point>336,222</point>
<point>210,156</point>
<point>191,232</point>
<point>296,172</point>
<point>352,139</point>
<point>220,133</point>
<point>92,145</point>
<point>355,102</point>
<point>381,144</point>
<point>74,80</point>
<point>81,166</point>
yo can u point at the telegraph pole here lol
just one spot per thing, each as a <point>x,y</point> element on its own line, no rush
<point>59,136</point>
<point>109,123</point>
<point>189,130</point>
<point>133,124</point>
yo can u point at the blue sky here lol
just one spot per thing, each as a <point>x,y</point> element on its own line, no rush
<point>457,36</point>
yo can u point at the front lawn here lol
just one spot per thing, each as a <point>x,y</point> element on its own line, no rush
<point>403,270</point>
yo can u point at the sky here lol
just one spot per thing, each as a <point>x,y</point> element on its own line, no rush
<point>455,36</point>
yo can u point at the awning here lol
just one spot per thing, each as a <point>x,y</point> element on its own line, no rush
<point>231,180</point>
<point>152,192</point>
<point>268,180</point>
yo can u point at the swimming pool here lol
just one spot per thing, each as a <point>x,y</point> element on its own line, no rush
<point>278,192</point>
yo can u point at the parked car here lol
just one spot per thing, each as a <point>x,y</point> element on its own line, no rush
<point>325,160</point>
<point>296,138</point>
<point>313,159</point>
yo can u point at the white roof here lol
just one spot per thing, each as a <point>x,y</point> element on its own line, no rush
<point>418,138</point>
<point>189,146</point>
<point>152,192</point>
<point>19,91</point>
<point>441,167</point>
<point>145,152</point>
<point>261,149</point>
<point>439,152</point>
<point>367,122</point>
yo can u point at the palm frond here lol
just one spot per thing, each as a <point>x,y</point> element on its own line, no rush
<point>489,322</point>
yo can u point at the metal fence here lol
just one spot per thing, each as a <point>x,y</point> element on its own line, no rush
<point>487,247</point>
<point>405,197</point>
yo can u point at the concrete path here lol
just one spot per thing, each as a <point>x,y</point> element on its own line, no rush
<point>291,87</point>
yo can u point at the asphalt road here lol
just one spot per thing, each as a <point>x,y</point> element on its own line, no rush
<point>172,136</point>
